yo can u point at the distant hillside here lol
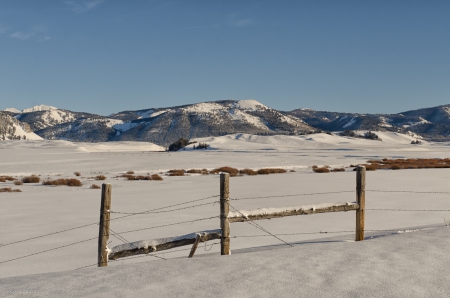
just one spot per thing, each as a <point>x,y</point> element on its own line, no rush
<point>13,129</point>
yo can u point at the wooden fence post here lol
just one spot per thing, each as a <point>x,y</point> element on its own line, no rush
<point>224,209</point>
<point>103,234</point>
<point>361,199</point>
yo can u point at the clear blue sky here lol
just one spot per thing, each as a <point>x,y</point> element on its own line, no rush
<point>109,56</point>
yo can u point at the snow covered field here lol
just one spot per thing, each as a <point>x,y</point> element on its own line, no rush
<point>39,210</point>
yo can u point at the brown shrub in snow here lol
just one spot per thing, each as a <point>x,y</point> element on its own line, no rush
<point>249,172</point>
<point>176,172</point>
<point>338,170</point>
<point>194,171</point>
<point>62,181</point>
<point>292,171</point>
<point>271,171</point>
<point>31,179</point>
<point>130,172</point>
<point>321,170</point>
<point>232,171</point>
<point>156,177</point>
<point>78,174</point>
<point>100,177</point>
<point>18,182</point>
<point>95,186</point>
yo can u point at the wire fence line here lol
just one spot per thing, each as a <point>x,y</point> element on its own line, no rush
<point>408,191</point>
<point>96,223</point>
<point>164,211</point>
<point>293,195</point>
<point>259,227</point>
<point>47,250</point>
<point>409,210</point>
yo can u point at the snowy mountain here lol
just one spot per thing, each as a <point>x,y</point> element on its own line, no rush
<point>166,125</point>
<point>13,129</point>
<point>431,123</point>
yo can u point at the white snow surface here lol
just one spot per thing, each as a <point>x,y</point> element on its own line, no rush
<point>250,104</point>
<point>38,108</point>
<point>413,264</point>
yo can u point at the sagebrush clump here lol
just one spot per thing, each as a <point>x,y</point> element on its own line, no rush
<point>95,186</point>
<point>8,189</point>
<point>100,177</point>
<point>31,179</point>
<point>62,181</point>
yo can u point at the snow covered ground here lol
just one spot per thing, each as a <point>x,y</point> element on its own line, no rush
<point>411,263</point>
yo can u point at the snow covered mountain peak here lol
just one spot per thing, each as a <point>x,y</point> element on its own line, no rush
<point>249,105</point>
<point>12,110</point>
<point>38,108</point>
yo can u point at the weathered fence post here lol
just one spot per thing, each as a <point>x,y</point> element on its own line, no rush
<point>361,199</point>
<point>103,234</point>
<point>224,209</point>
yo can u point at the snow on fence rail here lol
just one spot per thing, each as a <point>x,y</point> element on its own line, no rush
<point>226,217</point>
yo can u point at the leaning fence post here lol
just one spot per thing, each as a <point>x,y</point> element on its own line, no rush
<point>361,199</point>
<point>224,209</point>
<point>103,234</point>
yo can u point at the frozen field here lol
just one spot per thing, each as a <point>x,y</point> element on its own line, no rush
<point>40,210</point>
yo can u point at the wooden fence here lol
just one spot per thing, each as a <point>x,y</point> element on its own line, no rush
<point>226,217</point>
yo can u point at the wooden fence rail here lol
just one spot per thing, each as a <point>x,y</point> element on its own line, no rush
<point>226,217</point>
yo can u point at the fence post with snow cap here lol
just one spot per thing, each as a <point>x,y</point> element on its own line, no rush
<point>224,210</point>
<point>361,199</point>
<point>103,234</point>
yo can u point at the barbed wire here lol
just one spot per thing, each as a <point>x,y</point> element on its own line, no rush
<point>45,235</point>
<point>259,227</point>
<point>169,206</point>
<point>409,191</point>
<point>37,253</point>
<point>164,211</point>
<point>294,195</point>
<point>172,224</point>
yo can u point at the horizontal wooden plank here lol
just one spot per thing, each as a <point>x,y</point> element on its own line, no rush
<point>338,207</point>
<point>183,240</point>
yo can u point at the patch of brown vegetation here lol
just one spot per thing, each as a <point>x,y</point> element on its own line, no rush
<point>95,186</point>
<point>271,171</point>
<point>156,177</point>
<point>292,171</point>
<point>249,172</point>
<point>130,172</point>
<point>78,174</point>
<point>100,177</point>
<point>6,178</point>
<point>321,170</point>
<point>31,179</point>
<point>338,170</point>
<point>194,171</point>
<point>232,171</point>
<point>176,172</point>
<point>62,181</point>
<point>205,172</point>
<point>8,189</point>
<point>18,182</point>
<point>410,163</point>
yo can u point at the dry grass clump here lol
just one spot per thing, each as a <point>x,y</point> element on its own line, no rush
<point>31,179</point>
<point>95,186</point>
<point>338,170</point>
<point>321,170</point>
<point>78,174</point>
<point>176,172</point>
<point>100,177</point>
<point>292,171</point>
<point>130,172</point>
<point>6,178</point>
<point>18,182</point>
<point>214,172</point>
<point>8,189</point>
<point>62,181</point>
<point>271,171</point>
<point>205,172</point>
<point>156,177</point>
<point>232,171</point>
<point>410,163</point>
<point>194,171</point>
<point>249,172</point>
